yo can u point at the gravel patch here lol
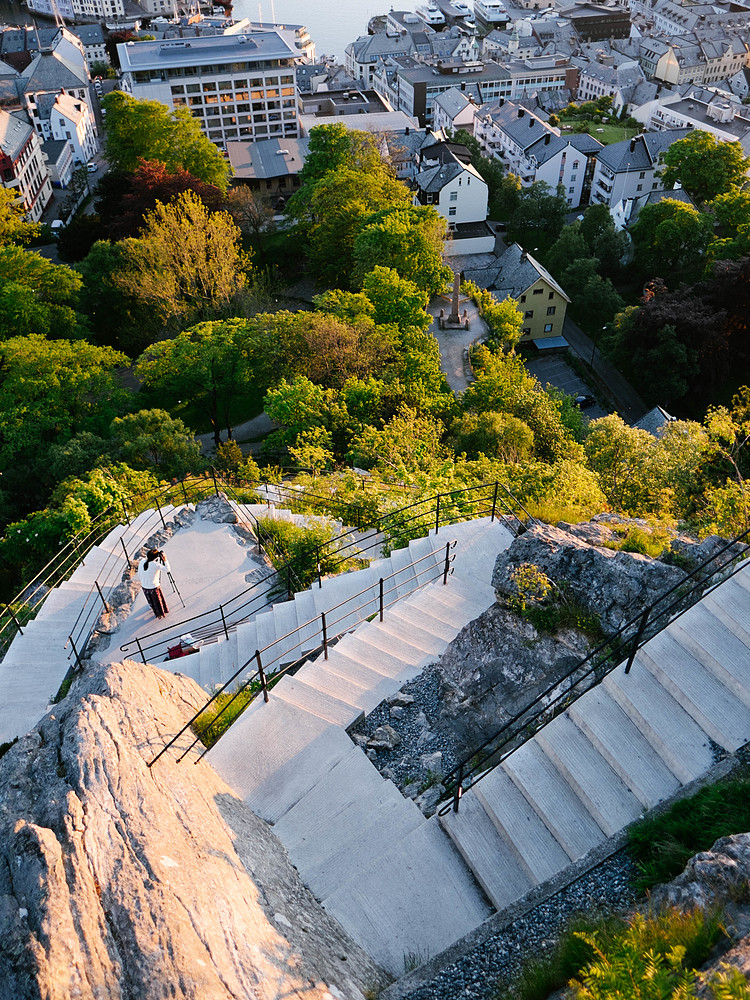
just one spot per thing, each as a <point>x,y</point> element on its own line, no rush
<point>494,964</point>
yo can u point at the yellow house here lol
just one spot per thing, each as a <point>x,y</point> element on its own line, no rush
<point>540,298</point>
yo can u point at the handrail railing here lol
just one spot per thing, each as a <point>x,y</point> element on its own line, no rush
<point>620,647</point>
<point>266,675</point>
<point>406,523</point>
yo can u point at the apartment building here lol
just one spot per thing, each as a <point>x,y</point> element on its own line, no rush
<point>239,86</point>
<point>22,165</point>
<point>630,169</point>
<point>71,10</point>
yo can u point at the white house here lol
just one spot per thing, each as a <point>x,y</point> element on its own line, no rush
<point>454,109</point>
<point>71,119</point>
<point>630,169</point>
<point>23,168</point>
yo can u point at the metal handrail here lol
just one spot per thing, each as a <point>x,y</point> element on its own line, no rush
<point>221,623</point>
<point>621,646</point>
<point>302,634</point>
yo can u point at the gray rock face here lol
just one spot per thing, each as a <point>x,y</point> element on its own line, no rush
<point>117,880</point>
<point>718,878</point>
<point>615,585</point>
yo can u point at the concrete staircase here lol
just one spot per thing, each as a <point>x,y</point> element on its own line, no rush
<point>390,876</point>
<point>37,661</point>
<point>295,627</point>
<point>629,743</point>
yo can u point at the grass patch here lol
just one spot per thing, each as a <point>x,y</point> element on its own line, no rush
<point>663,845</point>
<point>64,688</point>
<point>211,724</point>
<point>651,542</point>
<point>608,135</point>
<point>307,550</point>
<point>605,957</point>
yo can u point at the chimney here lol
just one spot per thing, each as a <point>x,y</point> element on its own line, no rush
<point>547,139</point>
<point>502,101</point>
<point>632,145</point>
<point>531,122</point>
<point>520,112</point>
<point>406,131</point>
<point>524,256</point>
<point>463,85</point>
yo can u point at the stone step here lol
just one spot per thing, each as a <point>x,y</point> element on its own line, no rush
<point>698,690</point>
<point>309,753</point>
<point>625,748</point>
<point>494,864</point>
<point>450,604</point>
<point>415,898</point>
<point>719,649</point>
<point>297,692</point>
<point>554,801</point>
<point>404,578</point>
<point>677,738</point>
<point>537,851</point>
<point>342,661</point>
<point>603,792</point>
<point>344,688</point>
<point>407,616</point>
<point>377,641</point>
<point>730,604</point>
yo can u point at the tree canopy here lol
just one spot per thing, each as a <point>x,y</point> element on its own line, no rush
<point>704,165</point>
<point>148,130</point>
<point>410,240</point>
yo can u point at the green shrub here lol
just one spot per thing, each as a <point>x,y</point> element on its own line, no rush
<point>663,845</point>
<point>211,724</point>
<point>306,550</point>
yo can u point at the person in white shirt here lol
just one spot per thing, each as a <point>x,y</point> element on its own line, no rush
<point>149,574</point>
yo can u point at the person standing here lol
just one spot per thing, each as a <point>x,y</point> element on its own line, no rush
<point>149,574</point>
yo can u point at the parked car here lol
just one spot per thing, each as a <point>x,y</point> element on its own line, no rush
<point>92,167</point>
<point>584,401</point>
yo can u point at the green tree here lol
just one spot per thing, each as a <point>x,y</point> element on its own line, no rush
<point>539,217</point>
<point>49,391</point>
<point>37,296</point>
<point>410,239</point>
<point>506,199</point>
<point>625,461</point>
<point>153,438</point>
<point>334,146</point>
<point>186,266</point>
<point>504,318</point>
<point>349,306</point>
<point>298,407</point>
<point>148,130</point>
<point>670,238</point>
<point>704,165</point>
<point>408,443</point>
<point>204,364</point>
<point>13,225</point>
<point>497,435</point>
<point>395,299</point>
<point>339,206</point>
<point>568,247</point>
<point>602,239</point>
<point>596,303</point>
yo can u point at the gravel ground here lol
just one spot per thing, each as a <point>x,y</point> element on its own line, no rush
<point>494,964</point>
<point>413,724</point>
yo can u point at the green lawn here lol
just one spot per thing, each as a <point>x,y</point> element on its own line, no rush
<point>607,135</point>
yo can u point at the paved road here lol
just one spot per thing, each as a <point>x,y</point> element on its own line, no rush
<point>246,434</point>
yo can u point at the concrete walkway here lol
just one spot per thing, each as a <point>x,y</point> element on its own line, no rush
<point>454,344</point>
<point>259,427</point>
<point>209,564</point>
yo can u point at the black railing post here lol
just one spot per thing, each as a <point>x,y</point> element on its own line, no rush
<point>459,788</point>
<point>140,650</point>
<point>125,511</point>
<point>184,491</point>
<point>446,568</point>
<point>213,476</point>
<point>381,598</point>
<point>127,557</point>
<point>223,621</point>
<point>494,503</point>
<point>262,676</point>
<point>289,582</point>
<point>79,665</point>
<point>317,565</point>
<point>437,515</point>
<point>325,635</point>
<point>15,620</point>
<point>99,591</point>
<point>636,641</point>
<point>158,507</point>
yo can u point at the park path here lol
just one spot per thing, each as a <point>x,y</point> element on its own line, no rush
<point>454,344</point>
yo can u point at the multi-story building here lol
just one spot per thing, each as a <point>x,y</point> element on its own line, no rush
<point>689,59</point>
<point>92,39</point>
<point>71,10</point>
<point>70,119</point>
<point>541,73</point>
<point>453,110</point>
<point>22,165</point>
<point>535,151</point>
<point>414,87</point>
<point>631,168</point>
<point>595,21</point>
<point>237,86</point>
<point>715,113</point>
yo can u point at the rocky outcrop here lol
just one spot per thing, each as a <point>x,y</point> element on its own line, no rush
<point>615,585</point>
<point>120,881</point>
<point>718,879</point>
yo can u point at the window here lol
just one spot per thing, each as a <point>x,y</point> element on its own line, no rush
<point>575,164</point>
<point>548,328</point>
<point>639,187</point>
<point>454,195</point>
<point>551,310</point>
<point>522,299</point>
<point>526,331</point>
<point>551,295</point>
<point>573,176</point>
<point>641,175</point>
<point>572,190</point>
<point>538,291</point>
<point>452,211</point>
<point>529,314</point>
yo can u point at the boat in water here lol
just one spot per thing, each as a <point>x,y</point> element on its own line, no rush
<point>490,14</point>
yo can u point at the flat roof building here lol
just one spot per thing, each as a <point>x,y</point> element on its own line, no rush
<point>238,86</point>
